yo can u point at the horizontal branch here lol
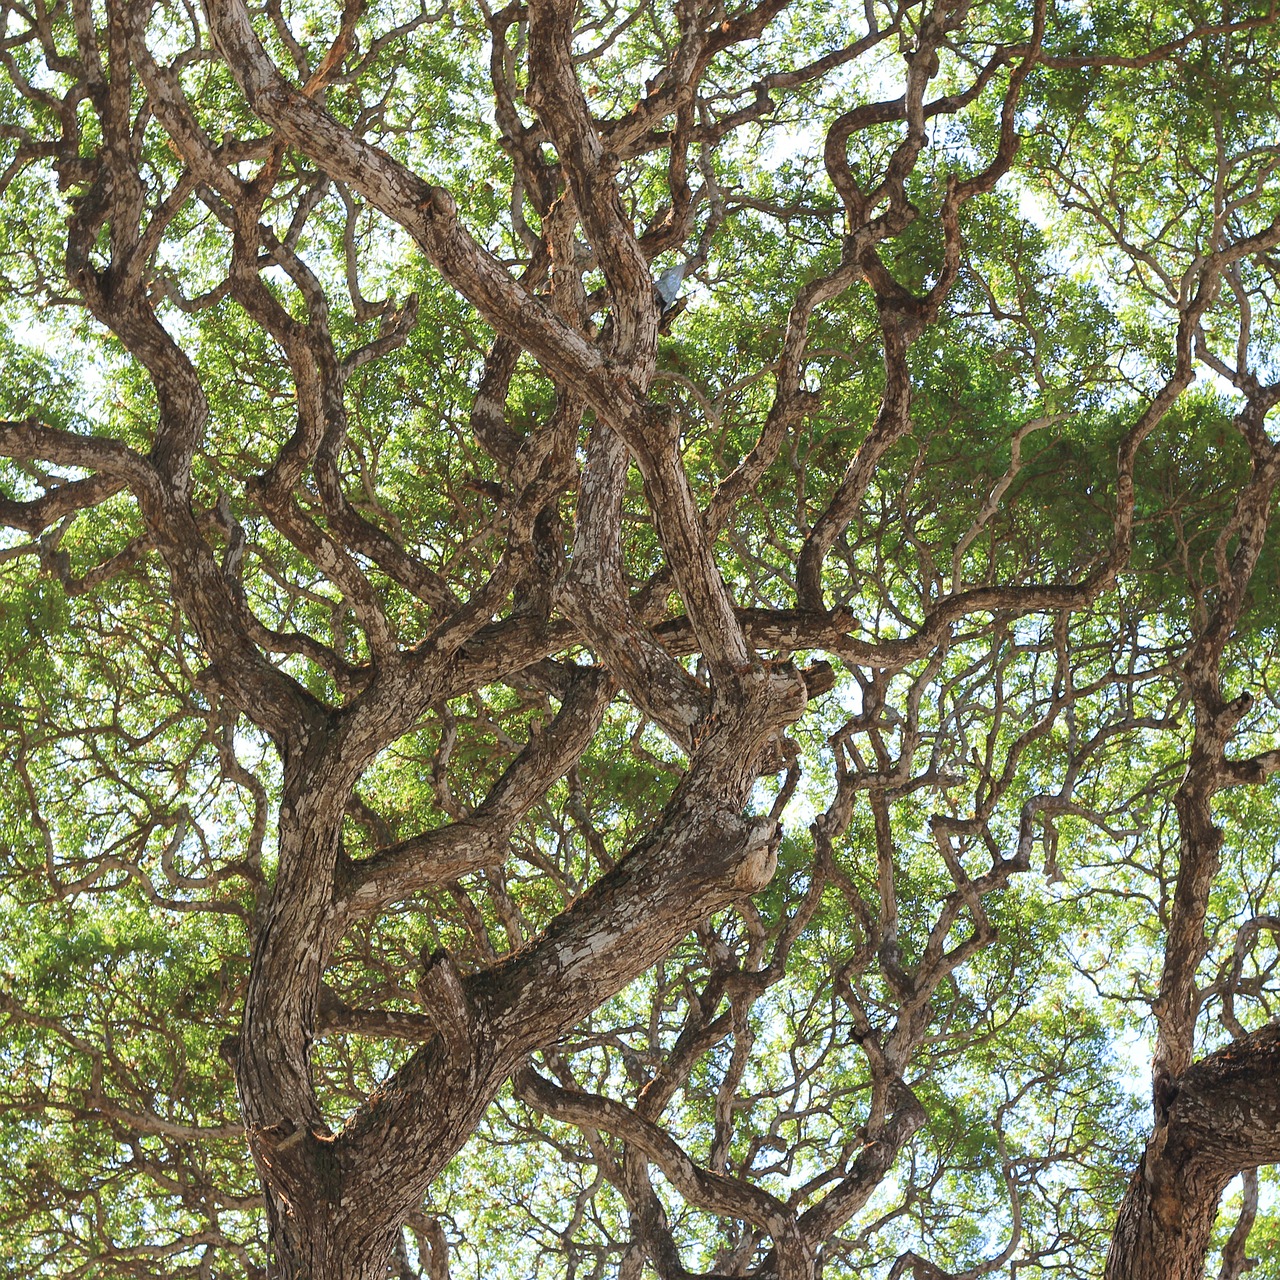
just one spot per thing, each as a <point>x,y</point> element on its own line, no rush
<point>37,514</point>
<point>29,438</point>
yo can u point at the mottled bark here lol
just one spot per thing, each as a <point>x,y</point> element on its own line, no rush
<point>1223,1118</point>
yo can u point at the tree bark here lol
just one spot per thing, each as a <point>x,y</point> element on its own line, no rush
<point>1223,1118</point>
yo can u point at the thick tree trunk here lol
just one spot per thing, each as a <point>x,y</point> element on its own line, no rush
<point>1222,1117</point>
<point>1162,1233</point>
<point>304,1248</point>
<point>336,1201</point>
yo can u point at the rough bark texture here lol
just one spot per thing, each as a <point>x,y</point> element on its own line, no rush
<point>1223,1118</point>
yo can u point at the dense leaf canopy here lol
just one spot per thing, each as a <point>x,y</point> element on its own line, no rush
<point>639,639</point>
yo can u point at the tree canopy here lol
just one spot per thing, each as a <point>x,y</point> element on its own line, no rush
<point>639,640</point>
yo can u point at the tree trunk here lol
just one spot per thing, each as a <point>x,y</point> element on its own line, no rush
<point>1162,1232</point>
<point>306,1246</point>
<point>1222,1117</point>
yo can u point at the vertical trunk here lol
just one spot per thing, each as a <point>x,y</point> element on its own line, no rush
<point>292,1147</point>
<point>305,1248</point>
<point>1223,1117</point>
<point>1163,1232</point>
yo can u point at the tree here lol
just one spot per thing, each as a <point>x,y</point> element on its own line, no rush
<point>655,585</point>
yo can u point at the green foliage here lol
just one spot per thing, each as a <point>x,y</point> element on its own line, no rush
<point>977,866</point>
